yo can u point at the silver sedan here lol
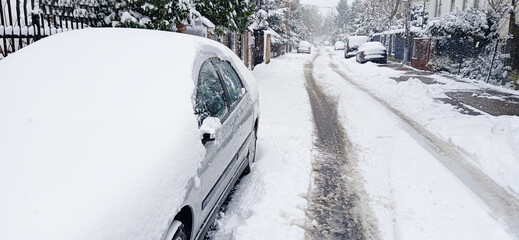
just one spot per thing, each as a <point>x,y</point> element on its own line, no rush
<point>122,134</point>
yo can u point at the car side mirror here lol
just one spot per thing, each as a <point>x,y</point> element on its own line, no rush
<point>207,137</point>
<point>208,129</point>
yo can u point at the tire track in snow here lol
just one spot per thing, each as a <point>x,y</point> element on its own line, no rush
<point>503,205</point>
<point>335,207</point>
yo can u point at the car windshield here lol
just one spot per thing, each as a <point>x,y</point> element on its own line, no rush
<point>370,46</point>
<point>357,40</point>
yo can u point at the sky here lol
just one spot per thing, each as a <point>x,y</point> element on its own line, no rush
<point>321,3</point>
<point>324,5</point>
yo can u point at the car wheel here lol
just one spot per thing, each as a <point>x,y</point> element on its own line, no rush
<point>251,157</point>
<point>180,233</point>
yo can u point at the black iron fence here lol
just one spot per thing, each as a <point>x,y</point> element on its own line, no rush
<point>23,22</point>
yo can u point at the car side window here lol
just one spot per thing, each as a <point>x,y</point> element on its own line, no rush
<point>231,80</point>
<point>210,95</point>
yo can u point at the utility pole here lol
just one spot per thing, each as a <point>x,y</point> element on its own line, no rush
<point>407,12</point>
<point>287,19</point>
<point>514,42</point>
<point>423,14</point>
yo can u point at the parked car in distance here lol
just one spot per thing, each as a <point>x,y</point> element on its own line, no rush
<point>353,43</point>
<point>304,47</point>
<point>373,52</point>
<point>104,140</point>
<point>326,43</point>
<point>339,45</point>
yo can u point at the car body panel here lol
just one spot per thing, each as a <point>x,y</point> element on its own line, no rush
<point>339,45</point>
<point>373,52</point>
<point>352,45</point>
<point>304,47</point>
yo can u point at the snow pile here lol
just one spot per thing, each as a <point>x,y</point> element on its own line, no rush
<point>270,202</point>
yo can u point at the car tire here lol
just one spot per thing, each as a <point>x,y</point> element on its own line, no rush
<point>180,233</point>
<point>251,156</point>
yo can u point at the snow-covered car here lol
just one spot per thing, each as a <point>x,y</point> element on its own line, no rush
<point>326,43</point>
<point>373,52</point>
<point>304,47</point>
<point>104,139</point>
<point>352,45</point>
<point>339,45</point>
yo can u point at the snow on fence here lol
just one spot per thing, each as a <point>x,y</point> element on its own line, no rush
<point>23,22</point>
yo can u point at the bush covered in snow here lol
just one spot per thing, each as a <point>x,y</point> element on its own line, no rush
<point>157,14</point>
<point>468,42</point>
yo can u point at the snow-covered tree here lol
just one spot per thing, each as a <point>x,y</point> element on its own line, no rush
<point>298,31</point>
<point>343,16</point>
<point>244,11</point>
<point>468,42</point>
<point>418,17</point>
<point>151,14</point>
<point>285,17</point>
<point>371,16</point>
<point>226,14</point>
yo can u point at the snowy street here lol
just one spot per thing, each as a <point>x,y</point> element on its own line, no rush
<point>259,120</point>
<point>351,151</point>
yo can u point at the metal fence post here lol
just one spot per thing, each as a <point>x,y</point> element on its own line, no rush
<point>492,62</point>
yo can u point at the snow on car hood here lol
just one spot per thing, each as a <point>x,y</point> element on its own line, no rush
<point>98,136</point>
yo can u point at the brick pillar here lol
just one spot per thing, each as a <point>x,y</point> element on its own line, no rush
<point>267,50</point>
<point>181,28</point>
<point>236,43</point>
<point>224,39</point>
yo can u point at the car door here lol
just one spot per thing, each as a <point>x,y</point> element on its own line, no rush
<point>240,116</point>
<point>212,102</point>
<point>220,94</point>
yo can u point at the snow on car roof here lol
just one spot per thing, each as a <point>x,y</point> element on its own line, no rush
<point>357,40</point>
<point>99,138</point>
<point>372,46</point>
<point>304,44</point>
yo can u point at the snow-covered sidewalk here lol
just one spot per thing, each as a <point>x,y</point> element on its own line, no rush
<point>270,202</point>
